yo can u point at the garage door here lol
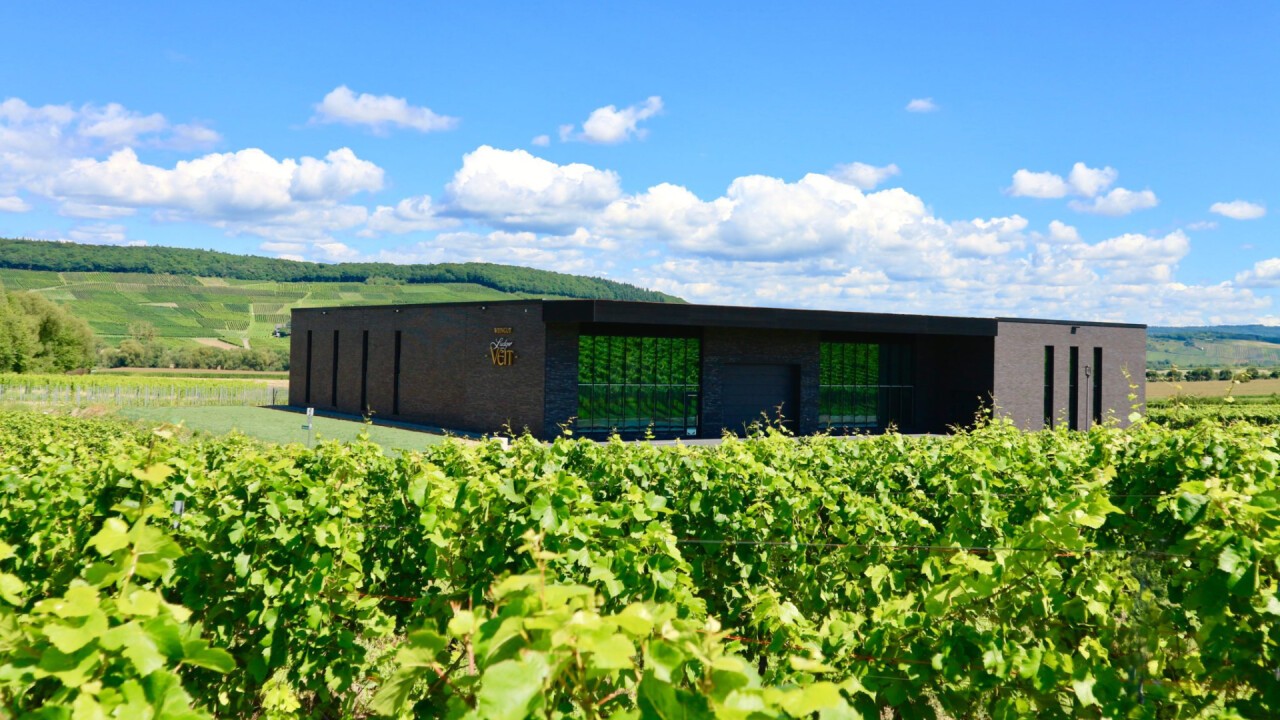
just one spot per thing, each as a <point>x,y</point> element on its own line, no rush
<point>749,391</point>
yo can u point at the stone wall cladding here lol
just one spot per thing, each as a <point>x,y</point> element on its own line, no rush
<point>1019,370</point>
<point>447,378</point>
<point>562,377</point>
<point>723,346</point>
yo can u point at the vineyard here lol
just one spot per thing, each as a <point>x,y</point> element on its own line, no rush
<point>996,573</point>
<point>126,391</point>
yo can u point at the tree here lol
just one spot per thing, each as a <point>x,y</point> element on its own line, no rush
<point>142,331</point>
<point>37,335</point>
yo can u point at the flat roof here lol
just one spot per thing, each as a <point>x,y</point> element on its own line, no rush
<point>626,312</point>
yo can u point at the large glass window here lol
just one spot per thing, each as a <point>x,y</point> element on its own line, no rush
<point>865,385</point>
<point>638,384</point>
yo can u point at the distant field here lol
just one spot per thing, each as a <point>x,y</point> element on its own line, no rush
<point>1212,352</point>
<point>1211,388</point>
<point>275,379</point>
<point>187,310</point>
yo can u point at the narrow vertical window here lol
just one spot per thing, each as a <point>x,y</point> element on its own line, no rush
<point>364,372</point>
<point>1048,386</point>
<point>1073,388</point>
<point>333,385</point>
<point>1097,385</point>
<point>395,387</point>
<point>306,399</point>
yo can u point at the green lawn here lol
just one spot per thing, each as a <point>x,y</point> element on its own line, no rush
<point>279,426</point>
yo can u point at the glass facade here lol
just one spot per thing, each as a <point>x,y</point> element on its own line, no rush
<point>638,384</point>
<point>866,385</point>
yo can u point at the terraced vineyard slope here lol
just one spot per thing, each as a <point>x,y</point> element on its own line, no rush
<point>215,311</point>
<point>220,299</point>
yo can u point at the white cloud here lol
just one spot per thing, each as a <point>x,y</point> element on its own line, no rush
<point>1239,210</point>
<point>38,142</point>
<point>511,189</point>
<point>609,125</point>
<point>1084,182</point>
<point>247,183</point>
<point>378,112</point>
<point>117,126</point>
<point>191,136</point>
<point>1117,202</point>
<point>103,234</point>
<point>922,105</point>
<point>862,175</point>
<point>1062,232</point>
<point>1203,225</point>
<point>74,209</point>
<point>1263,274</point>
<point>541,141</point>
<point>1088,182</point>
<point>415,214</point>
<point>14,204</point>
<point>1037,185</point>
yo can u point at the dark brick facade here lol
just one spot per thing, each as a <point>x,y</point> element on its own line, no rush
<point>448,377</point>
<point>1019,385</point>
<point>737,346</point>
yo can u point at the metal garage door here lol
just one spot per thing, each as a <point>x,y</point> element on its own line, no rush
<point>748,391</point>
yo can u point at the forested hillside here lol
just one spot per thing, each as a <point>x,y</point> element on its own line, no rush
<point>73,257</point>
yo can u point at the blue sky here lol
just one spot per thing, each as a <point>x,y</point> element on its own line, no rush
<point>1090,160</point>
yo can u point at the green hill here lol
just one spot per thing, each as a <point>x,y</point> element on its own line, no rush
<point>74,257</point>
<point>1213,346</point>
<point>219,299</point>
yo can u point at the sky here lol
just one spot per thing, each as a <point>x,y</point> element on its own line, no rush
<point>1094,161</point>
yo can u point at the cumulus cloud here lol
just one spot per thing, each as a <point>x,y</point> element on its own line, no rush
<point>1037,185</point>
<point>1263,274</point>
<point>862,175</point>
<point>1239,210</point>
<point>1203,225</point>
<point>541,141</point>
<point>37,142</point>
<point>246,183</point>
<point>1088,182</point>
<point>415,214</point>
<point>609,125</point>
<point>922,105</point>
<point>14,204</point>
<point>378,112</point>
<point>1117,202</point>
<point>191,136</point>
<point>512,189</point>
<point>815,242</point>
<point>1062,232</point>
<point>1083,182</point>
<point>103,234</point>
<point>70,208</point>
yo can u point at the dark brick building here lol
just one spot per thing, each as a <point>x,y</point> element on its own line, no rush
<point>696,370</point>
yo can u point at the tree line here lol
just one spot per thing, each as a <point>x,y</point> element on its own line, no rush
<point>74,257</point>
<point>37,335</point>
<point>141,350</point>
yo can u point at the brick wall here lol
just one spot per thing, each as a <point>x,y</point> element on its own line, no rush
<point>561,377</point>
<point>447,377</point>
<point>721,346</point>
<point>1020,365</point>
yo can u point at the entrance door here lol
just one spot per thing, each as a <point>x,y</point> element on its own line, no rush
<point>749,393</point>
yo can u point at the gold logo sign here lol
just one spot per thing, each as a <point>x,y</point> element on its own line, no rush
<point>501,354</point>
<point>502,331</point>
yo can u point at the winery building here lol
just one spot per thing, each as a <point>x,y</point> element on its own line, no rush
<point>697,371</point>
